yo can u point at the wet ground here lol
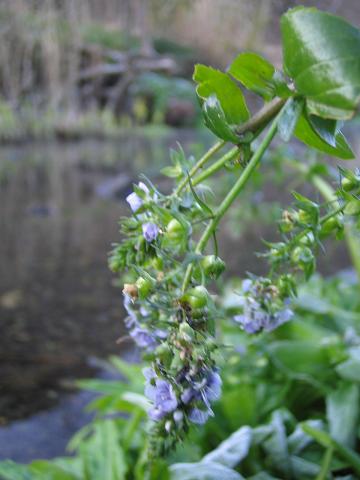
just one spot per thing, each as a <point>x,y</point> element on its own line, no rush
<point>59,306</point>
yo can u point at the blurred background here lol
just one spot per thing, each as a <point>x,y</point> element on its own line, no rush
<point>93,92</point>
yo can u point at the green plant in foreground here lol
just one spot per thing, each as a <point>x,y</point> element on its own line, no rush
<point>290,376</point>
<point>171,314</point>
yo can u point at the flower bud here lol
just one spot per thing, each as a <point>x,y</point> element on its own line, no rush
<point>349,184</point>
<point>196,297</point>
<point>144,286</point>
<point>212,265</point>
<point>331,225</point>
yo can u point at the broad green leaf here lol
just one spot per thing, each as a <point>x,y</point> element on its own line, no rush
<point>350,369</point>
<point>322,55</point>
<point>102,454</point>
<point>276,445</point>
<point>324,439</point>
<point>342,408</point>
<point>216,121</point>
<point>12,471</point>
<point>299,440</point>
<point>300,357</point>
<point>213,82</point>
<point>203,471</point>
<point>326,128</point>
<point>232,450</point>
<point>305,132</point>
<point>44,470</point>
<point>289,118</point>
<point>255,73</point>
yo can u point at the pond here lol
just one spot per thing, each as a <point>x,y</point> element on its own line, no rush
<point>60,309</point>
<point>59,209</point>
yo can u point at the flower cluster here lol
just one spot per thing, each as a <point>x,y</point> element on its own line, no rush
<point>263,307</point>
<point>173,326</point>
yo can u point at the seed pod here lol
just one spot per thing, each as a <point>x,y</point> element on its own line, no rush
<point>196,297</point>
<point>175,231</point>
<point>213,266</point>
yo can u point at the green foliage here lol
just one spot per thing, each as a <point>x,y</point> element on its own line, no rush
<point>255,73</point>
<point>288,351</point>
<point>321,55</point>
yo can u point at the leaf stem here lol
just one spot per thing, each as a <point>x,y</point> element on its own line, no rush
<point>215,148</point>
<point>232,195</point>
<point>230,155</point>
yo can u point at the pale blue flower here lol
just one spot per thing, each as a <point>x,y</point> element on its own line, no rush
<point>161,393</point>
<point>150,231</point>
<point>134,200</point>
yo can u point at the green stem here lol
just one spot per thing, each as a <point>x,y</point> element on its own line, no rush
<point>326,190</point>
<point>215,148</point>
<point>232,195</point>
<point>325,467</point>
<point>230,155</point>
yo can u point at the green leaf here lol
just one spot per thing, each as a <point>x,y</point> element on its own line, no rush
<point>276,445</point>
<point>216,121</point>
<point>350,369</point>
<point>213,82</point>
<point>289,118</point>
<point>102,454</point>
<point>12,471</point>
<point>44,470</point>
<point>255,73</point>
<point>326,441</point>
<point>326,128</point>
<point>203,471</point>
<point>305,132</point>
<point>342,408</point>
<point>172,172</point>
<point>352,207</point>
<point>322,55</point>
<point>232,450</point>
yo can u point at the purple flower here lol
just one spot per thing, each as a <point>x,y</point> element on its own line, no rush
<point>207,389</point>
<point>143,338</point>
<point>161,393</point>
<point>199,416</point>
<point>134,200</point>
<point>150,231</point>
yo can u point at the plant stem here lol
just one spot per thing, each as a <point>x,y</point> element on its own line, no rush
<point>216,166</point>
<point>231,196</point>
<point>326,190</point>
<point>324,472</point>
<point>215,148</point>
<point>262,117</point>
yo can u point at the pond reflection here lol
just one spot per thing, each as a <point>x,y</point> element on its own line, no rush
<point>59,208</point>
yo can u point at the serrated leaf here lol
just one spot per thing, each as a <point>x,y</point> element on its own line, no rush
<point>305,132</point>
<point>214,82</point>
<point>255,73</point>
<point>322,55</point>
<point>342,410</point>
